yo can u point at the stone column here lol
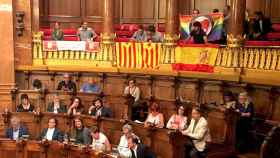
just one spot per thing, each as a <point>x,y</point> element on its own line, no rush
<point>108,35</point>
<point>7,59</point>
<point>171,31</point>
<point>236,23</point>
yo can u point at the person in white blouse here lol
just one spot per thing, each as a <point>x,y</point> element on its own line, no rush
<point>51,133</point>
<point>155,118</point>
<point>123,149</point>
<point>178,121</point>
<point>99,140</point>
<point>198,132</point>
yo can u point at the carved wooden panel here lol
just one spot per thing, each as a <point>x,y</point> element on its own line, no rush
<point>275,11</point>
<point>164,89</point>
<point>206,7</point>
<point>188,91</point>
<point>94,8</point>
<point>114,85</point>
<point>212,93</point>
<point>217,126</point>
<point>65,8</point>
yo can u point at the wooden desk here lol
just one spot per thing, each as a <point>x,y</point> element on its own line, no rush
<point>165,143</point>
<point>52,149</point>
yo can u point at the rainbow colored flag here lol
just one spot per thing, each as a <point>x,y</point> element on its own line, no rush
<point>212,25</point>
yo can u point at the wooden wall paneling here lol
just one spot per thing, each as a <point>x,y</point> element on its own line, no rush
<point>164,88</point>
<point>212,92</point>
<point>206,7</point>
<point>217,126</point>
<point>20,81</point>
<point>23,43</point>
<point>276,112</point>
<point>261,105</point>
<point>138,11</point>
<point>161,10</point>
<point>188,90</point>
<point>115,84</point>
<point>45,78</point>
<point>256,5</point>
<point>274,9</point>
<point>185,7</point>
<point>162,150</point>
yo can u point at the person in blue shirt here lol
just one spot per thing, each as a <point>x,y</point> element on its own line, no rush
<point>90,86</point>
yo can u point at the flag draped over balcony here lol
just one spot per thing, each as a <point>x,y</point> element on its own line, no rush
<point>138,55</point>
<point>194,58</point>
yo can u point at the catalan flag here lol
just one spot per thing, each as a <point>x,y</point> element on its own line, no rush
<point>212,24</point>
<point>138,55</point>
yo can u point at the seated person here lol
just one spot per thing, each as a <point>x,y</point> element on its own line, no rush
<point>198,132</point>
<point>37,84</point>
<point>86,33</point>
<point>215,10</point>
<point>51,133</point>
<point>76,107</point>
<point>261,26</point>
<point>79,133</point>
<point>178,121</point>
<point>123,145</point>
<point>99,140</point>
<point>195,12</point>
<point>98,110</point>
<point>155,118</point>
<point>57,33</point>
<point>153,35</point>
<point>139,150</point>
<point>228,102</point>
<point>90,87</point>
<point>67,84</point>
<point>140,35</point>
<point>246,109</point>
<point>16,130</point>
<point>197,34</point>
<point>56,106</point>
<point>135,92</point>
<point>25,105</point>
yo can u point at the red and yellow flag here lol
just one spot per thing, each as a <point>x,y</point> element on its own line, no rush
<point>195,59</point>
<point>138,55</point>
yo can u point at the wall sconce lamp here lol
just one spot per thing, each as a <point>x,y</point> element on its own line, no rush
<point>19,23</point>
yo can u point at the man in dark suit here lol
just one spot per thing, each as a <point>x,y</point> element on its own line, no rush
<point>56,106</point>
<point>51,133</point>
<point>16,130</point>
<point>98,110</point>
<point>67,84</point>
<point>261,26</point>
<point>139,150</point>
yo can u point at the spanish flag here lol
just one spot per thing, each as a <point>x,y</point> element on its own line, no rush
<point>194,58</point>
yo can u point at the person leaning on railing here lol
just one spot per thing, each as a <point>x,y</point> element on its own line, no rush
<point>140,35</point>
<point>57,33</point>
<point>86,33</point>
<point>153,35</point>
